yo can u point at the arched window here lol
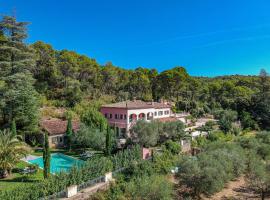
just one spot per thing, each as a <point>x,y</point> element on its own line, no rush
<point>141,116</point>
<point>132,117</point>
<point>149,116</point>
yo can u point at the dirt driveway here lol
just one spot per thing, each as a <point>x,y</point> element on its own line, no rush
<point>235,190</point>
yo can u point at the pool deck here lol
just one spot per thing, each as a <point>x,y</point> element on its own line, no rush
<point>30,157</point>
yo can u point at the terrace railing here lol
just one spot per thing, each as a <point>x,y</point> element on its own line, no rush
<point>91,183</point>
<point>84,185</point>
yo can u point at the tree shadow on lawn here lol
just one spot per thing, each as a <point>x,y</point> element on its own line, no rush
<point>21,179</point>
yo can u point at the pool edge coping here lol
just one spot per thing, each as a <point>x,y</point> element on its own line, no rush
<point>27,161</point>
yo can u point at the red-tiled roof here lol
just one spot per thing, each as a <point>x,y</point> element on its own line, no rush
<point>137,104</point>
<point>57,126</point>
<point>167,119</point>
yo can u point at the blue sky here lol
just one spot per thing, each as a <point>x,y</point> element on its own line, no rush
<point>207,37</point>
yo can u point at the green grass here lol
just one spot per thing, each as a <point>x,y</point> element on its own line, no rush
<point>16,179</point>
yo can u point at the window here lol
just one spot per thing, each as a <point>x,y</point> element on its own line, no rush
<point>116,116</point>
<point>160,113</point>
<point>54,140</point>
<point>167,112</point>
<point>155,113</point>
<point>106,115</point>
<point>57,139</point>
<point>121,116</point>
<point>125,116</point>
<point>110,116</point>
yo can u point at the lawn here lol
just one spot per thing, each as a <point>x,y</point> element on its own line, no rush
<point>16,179</point>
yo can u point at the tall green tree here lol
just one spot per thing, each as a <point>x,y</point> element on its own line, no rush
<point>13,128</point>
<point>261,108</point>
<point>226,119</point>
<point>69,133</point>
<point>145,133</point>
<point>46,71</point>
<point>89,137</point>
<point>21,102</point>
<point>16,56</point>
<point>108,141</point>
<point>93,118</point>
<point>18,96</point>
<point>46,157</point>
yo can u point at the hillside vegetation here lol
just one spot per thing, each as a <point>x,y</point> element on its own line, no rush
<point>36,75</point>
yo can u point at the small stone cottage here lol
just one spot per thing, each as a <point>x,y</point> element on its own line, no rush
<point>56,129</point>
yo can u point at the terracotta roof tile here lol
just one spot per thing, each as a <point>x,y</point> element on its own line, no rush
<point>57,126</point>
<point>137,104</point>
<point>167,119</point>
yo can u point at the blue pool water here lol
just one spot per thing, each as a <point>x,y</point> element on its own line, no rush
<point>59,162</point>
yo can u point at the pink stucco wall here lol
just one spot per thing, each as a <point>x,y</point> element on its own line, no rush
<point>146,153</point>
<point>121,123</point>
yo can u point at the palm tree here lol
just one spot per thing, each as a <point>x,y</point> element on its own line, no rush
<point>12,149</point>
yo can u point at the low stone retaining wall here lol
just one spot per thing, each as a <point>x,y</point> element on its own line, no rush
<point>83,191</point>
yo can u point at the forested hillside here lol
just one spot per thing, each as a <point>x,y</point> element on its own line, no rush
<point>35,75</point>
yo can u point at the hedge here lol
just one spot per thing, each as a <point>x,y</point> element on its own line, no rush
<point>91,169</point>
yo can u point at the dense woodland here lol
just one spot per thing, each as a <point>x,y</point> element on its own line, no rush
<point>36,75</point>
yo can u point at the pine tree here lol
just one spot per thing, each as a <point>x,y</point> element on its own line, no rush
<point>261,107</point>
<point>15,55</point>
<point>108,142</point>
<point>13,128</point>
<point>46,156</point>
<point>69,133</point>
<point>19,99</point>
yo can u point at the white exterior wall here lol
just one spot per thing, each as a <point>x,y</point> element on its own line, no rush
<point>164,115</point>
<point>137,112</point>
<point>148,110</point>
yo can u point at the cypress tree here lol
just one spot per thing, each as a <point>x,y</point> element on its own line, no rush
<point>46,157</point>
<point>100,127</point>
<point>69,133</point>
<point>13,128</point>
<point>108,142</point>
<point>115,130</point>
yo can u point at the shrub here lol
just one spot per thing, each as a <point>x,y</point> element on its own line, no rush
<point>124,158</point>
<point>226,118</point>
<point>207,174</point>
<point>91,169</point>
<point>89,137</point>
<point>93,118</point>
<point>152,188</point>
<point>174,130</point>
<point>163,163</point>
<point>146,133</point>
<point>173,147</point>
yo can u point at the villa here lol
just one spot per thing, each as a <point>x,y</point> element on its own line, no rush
<point>123,115</point>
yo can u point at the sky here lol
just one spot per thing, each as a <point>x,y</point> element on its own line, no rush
<point>207,37</point>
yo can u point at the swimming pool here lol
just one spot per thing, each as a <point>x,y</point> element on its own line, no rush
<point>59,162</point>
